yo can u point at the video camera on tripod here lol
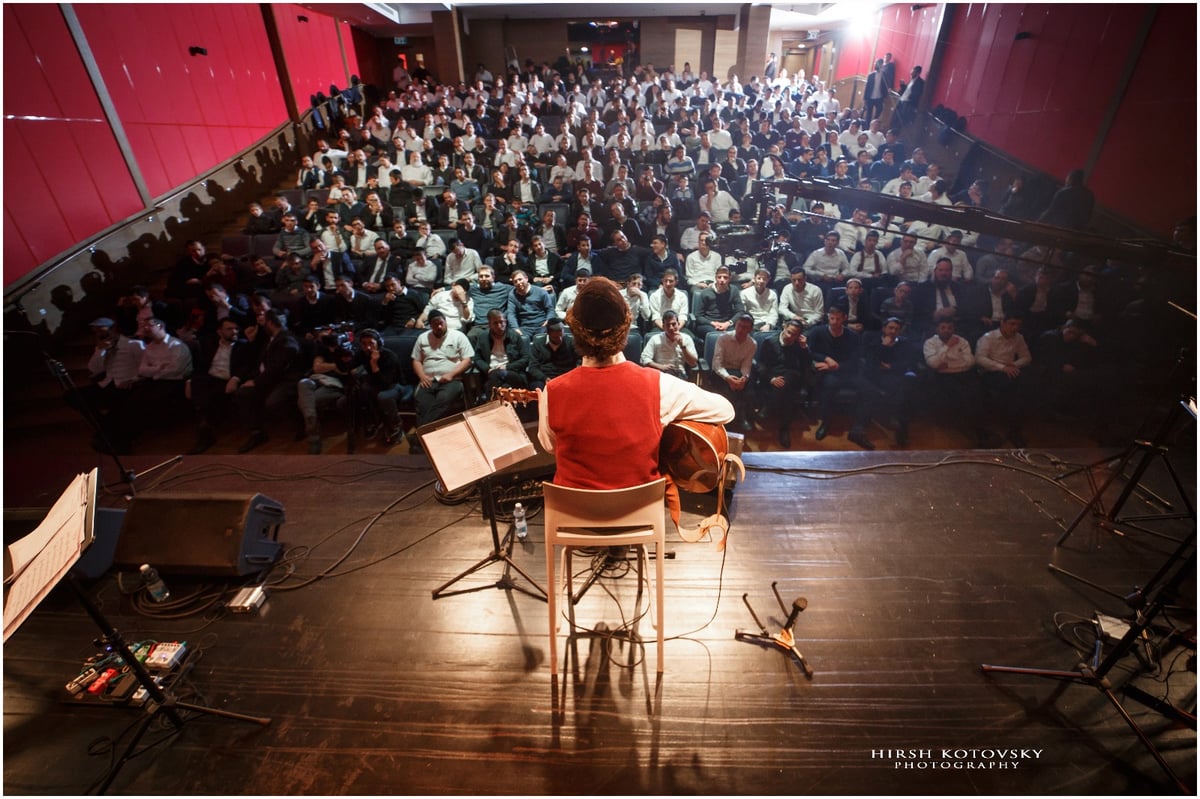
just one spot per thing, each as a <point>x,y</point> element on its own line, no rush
<point>338,340</point>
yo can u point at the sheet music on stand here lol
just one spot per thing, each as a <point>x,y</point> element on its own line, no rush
<point>34,564</point>
<point>481,441</point>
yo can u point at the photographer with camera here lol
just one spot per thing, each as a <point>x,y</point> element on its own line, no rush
<point>324,387</point>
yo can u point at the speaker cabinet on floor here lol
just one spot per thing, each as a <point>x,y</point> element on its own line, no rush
<point>206,534</point>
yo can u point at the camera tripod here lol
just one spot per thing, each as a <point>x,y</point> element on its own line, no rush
<point>785,639</point>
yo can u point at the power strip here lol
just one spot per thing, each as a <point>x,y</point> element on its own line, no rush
<point>166,655</point>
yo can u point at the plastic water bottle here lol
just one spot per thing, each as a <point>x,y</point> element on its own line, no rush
<point>519,521</point>
<point>154,584</point>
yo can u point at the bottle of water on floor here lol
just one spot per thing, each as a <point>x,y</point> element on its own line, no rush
<point>519,522</point>
<point>154,584</point>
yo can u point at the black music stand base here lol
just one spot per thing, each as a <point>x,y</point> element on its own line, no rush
<point>1096,672</point>
<point>501,553</point>
<point>1086,674</point>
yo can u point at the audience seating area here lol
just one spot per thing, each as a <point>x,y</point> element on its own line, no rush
<point>1116,312</point>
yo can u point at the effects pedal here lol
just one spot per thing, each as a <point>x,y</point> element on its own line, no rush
<point>82,681</point>
<point>139,696</point>
<point>166,656</point>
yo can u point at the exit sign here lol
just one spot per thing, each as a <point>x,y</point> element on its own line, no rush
<point>400,40</point>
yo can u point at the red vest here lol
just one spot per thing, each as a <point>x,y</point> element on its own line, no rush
<point>607,427</point>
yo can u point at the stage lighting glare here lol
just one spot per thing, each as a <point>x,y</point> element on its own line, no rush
<point>864,22</point>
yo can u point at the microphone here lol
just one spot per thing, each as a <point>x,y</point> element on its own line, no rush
<point>799,604</point>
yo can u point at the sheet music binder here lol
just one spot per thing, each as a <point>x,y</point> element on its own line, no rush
<point>34,564</point>
<point>474,444</point>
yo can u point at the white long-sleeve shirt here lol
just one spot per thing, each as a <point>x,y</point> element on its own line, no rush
<point>994,352</point>
<point>677,303</point>
<point>808,306</point>
<point>763,307</point>
<point>169,359</point>
<point>955,354</point>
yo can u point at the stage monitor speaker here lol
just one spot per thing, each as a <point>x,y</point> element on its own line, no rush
<point>206,534</point>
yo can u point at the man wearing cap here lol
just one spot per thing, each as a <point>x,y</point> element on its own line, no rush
<point>439,357</point>
<point>114,369</point>
<point>600,443</point>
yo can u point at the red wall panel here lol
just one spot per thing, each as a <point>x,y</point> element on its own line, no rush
<point>908,35</point>
<point>173,104</point>
<point>1045,97</point>
<point>1050,89</point>
<point>1161,98</point>
<point>182,114</point>
<point>854,54</point>
<point>314,59</point>
<point>370,66</point>
<point>65,175</point>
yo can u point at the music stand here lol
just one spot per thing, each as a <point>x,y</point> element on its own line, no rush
<point>40,560</point>
<point>470,447</point>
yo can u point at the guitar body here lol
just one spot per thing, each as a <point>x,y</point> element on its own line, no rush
<point>692,454</point>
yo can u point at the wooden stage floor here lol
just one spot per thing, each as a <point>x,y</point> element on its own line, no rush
<point>914,576</point>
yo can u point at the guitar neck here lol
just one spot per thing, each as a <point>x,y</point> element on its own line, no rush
<point>521,395</point>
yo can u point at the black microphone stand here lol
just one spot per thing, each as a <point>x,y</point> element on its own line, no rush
<point>129,477</point>
<point>785,639</point>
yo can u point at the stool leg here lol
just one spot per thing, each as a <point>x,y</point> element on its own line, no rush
<point>659,552</point>
<point>551,599</point>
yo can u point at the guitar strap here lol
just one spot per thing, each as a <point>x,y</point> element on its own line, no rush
<point>718,520</point>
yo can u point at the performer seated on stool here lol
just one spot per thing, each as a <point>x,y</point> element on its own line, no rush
<point>603,421</point>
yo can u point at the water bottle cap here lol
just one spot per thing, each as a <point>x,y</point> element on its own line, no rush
<point>145,567</point>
